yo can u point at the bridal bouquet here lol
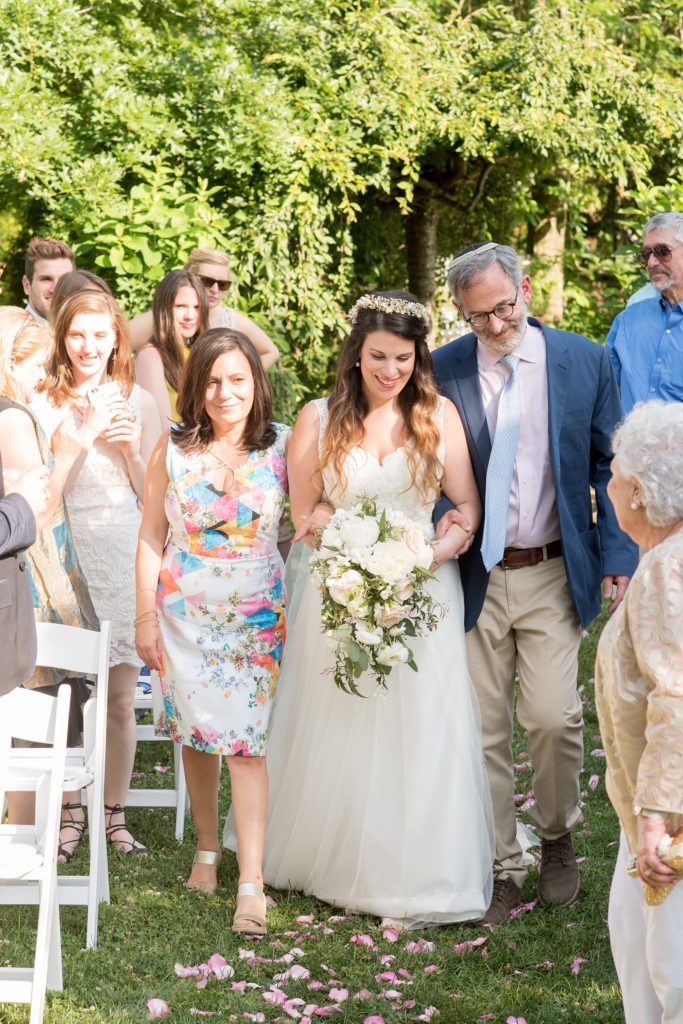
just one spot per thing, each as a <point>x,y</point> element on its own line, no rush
<point>370,568</point>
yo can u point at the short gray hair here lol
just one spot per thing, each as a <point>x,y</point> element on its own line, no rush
<point>471,266</point>
<point>672,222</point>
<point>648,446</point>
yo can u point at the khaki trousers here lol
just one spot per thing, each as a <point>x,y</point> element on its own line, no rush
<point>529,625</point>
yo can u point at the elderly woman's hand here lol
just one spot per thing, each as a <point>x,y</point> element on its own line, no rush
<point>651,869</point>
<point>312,525</point>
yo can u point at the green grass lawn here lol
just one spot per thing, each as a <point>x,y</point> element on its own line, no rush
<point>523,970</point>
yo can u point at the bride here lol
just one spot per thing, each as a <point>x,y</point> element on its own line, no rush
<point>381,805</point>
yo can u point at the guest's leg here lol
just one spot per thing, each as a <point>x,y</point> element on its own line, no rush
<point>202,777</point>
<point>491,661</point>
<point>627,932</point>
<point>249,787</point>
<point>665,954</point>
<point>121,742</point>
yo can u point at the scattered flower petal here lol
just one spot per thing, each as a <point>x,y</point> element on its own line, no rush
<point>374,1019</point>
<point>157,1008</point>
<point>305,919</point>
<point>430,969</point>
<point>594,782</point>
<point>364,993</point>
<point>428,1013</point>
<point>338,995</point>
<point>203,1013</point>
<point>523,908</point>
<point>419,946</point>
<point>470,944</point>
<point>363,940</point>
<point>598,752</point>
<point>270,902</point>
<point>391,934</point>
<point>161,768</point>
<point>578,964</point>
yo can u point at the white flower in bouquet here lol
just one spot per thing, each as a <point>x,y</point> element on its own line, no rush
<point>359,532</point>
<point>392,561</point>
<point>371,569</point>
<point>393,654</point>
<point>343,587</point>
<point>371,637</point>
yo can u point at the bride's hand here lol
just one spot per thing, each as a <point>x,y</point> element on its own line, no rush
<point>455,518</point>
<point>312,524</point>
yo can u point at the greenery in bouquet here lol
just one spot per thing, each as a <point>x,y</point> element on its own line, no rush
<point>370,567</point>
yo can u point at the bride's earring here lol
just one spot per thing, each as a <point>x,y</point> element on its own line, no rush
<point>357,362</point>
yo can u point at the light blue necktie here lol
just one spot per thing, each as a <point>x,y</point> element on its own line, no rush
<point>501,465</point>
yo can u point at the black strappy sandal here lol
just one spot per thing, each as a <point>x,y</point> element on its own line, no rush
<point>67,847</point>
<point>122,845</point>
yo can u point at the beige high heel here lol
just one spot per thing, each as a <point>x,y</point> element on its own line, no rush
<point>249,923</point>
<point>205,857</point>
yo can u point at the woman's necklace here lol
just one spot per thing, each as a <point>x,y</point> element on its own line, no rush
<point>228,464</point>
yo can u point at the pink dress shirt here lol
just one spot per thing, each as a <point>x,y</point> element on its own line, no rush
<point>532,516</point>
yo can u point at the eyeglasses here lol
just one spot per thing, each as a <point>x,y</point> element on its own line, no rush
<point>662,252</point>
<point>503,311</point>
<point>209,282</point>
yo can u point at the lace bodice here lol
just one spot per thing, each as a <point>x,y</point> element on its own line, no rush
<point>389,482</point>
<point>102,491</point>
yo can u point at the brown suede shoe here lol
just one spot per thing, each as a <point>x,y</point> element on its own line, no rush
<point>506,896</point>
<point>558,880</point>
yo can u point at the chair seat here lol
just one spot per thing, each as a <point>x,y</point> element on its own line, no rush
<point>19,861</point>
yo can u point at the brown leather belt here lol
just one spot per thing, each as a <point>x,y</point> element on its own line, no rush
<point>518,558</point>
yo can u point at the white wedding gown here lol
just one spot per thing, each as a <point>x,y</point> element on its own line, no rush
<point>379,805</point>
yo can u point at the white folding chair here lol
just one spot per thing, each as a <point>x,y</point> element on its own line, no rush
<point>177,796</point>
<point>86,652</point>
<point>28,853</point>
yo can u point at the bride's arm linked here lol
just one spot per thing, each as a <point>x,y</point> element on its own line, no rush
<point>309,512</point>
<point>457,528</point>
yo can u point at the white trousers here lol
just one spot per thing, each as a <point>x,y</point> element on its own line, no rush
<point>647,947</point>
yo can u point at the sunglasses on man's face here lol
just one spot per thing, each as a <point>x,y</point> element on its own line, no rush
<point>209,282</point>
<point>662,252</point>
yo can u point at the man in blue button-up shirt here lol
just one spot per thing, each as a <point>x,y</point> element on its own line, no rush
<point>645,341</point>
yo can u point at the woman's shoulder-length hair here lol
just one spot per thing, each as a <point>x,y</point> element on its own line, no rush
<point>195,429</point>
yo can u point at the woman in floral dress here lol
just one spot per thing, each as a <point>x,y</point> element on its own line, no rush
<point>210,595</point>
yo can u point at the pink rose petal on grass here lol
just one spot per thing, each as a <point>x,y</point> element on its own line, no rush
<point>315,985</point>
<point>161,768</point>
<point>430,969</point>
<point>203,1013</point>
<point>386,959</point>
<point>578,964</point>
<point>374,1019</point>
<point>470,944</point>
<point>364,993</point>
<point>515,1020</point>
<point>363,940</point>
<point>339,995</point>
<point>488,1016</point>
<point>391,934</point>
<point>428,1013</point>
<point>157,1008</point>
<point>594,782</point>
<point>305,919</point>
<point>523,908</point>
<point>220,967</point>
<point>419,946</point>
<point>258,1018</point>
<point>270,902</point>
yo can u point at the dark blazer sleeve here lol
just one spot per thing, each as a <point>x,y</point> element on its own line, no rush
<point>619,553</point>
<point>17,525</point>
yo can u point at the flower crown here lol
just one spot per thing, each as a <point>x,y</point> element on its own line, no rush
<point>388,304</point>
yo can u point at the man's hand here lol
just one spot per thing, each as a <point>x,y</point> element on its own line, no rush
<point>33,487</point>
<point>651,869</point>
<point>455,518</point>
<point>615,588</point>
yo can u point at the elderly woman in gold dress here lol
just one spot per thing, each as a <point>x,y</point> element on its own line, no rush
<point>639,690</point>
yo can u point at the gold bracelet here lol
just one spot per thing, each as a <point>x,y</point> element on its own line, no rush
<point>148,616</point>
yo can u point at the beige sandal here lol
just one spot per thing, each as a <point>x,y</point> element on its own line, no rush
<point>250,923</point>
<point>204,857</point>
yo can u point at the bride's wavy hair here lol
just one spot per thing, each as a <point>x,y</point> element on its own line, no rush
<point>418,401</point>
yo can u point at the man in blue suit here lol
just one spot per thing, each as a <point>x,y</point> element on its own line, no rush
<point>539,407</point>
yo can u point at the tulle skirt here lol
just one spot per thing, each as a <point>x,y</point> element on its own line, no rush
<point>379,805</point>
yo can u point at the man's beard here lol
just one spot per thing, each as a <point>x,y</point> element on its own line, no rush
<point>664,280</point>
<point>514,333</point>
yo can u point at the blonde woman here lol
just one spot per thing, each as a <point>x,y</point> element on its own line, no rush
<point>212,268</point>
<point>381,805</point>
<point>58,586</point>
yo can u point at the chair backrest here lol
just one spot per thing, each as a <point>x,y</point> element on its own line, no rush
<point>80,650</point>
<point>31,715</point>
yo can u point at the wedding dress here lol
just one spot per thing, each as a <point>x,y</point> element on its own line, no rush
<point>379,805</point>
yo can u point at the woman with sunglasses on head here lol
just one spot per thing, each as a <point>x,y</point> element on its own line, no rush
<point>212,268</point>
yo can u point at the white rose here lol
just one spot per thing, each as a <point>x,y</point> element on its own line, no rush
<point>403,593</point>
<point>358,606</point>
<point>392,561</point>
<point>392,654</point>
<point>343,587</point>
<point>359,532</point>
<point>330,537</point>
<point>368,637</point>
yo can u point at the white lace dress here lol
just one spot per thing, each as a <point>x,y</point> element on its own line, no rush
<point>380,806</point>
<point>105,519</point>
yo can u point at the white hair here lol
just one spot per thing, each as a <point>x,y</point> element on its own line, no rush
<point>648,446</point>
<point>672,222</point>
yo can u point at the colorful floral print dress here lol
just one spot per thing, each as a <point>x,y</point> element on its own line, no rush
<point>221,602</point>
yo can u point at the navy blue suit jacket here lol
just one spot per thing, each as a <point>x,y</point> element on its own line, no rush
<point>583,410</point>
